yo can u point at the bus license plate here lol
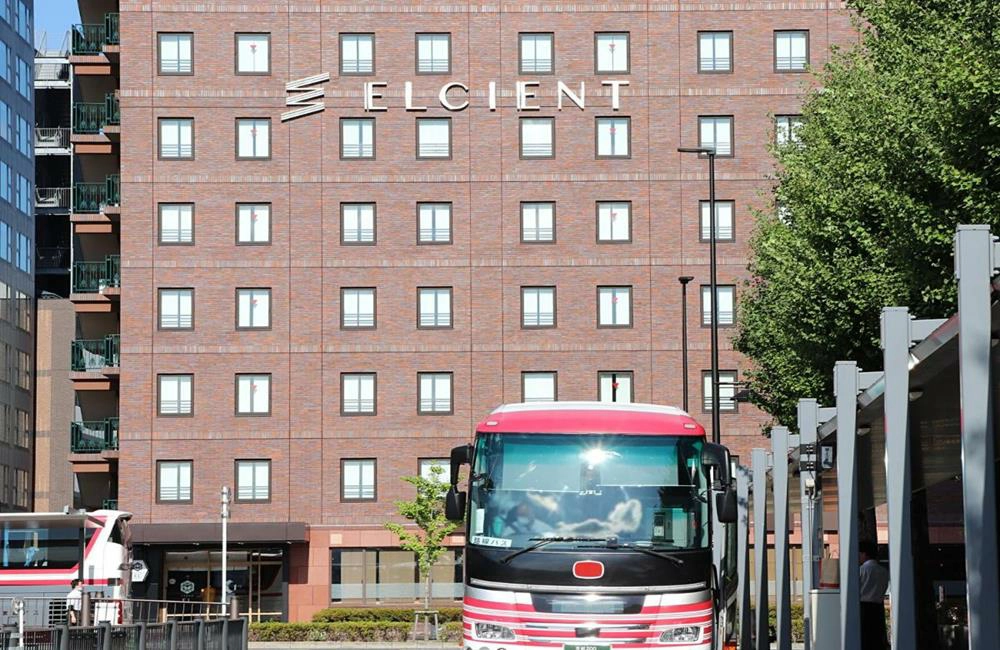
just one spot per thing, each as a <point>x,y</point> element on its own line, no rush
<point>586,647</point>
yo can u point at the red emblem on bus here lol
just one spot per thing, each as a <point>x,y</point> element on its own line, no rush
<point>588,570</point>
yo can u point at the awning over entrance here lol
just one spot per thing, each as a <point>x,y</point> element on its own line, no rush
<point>291,532</point>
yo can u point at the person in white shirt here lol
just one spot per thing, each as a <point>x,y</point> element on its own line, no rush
<point>74,602</point>
<point>872,585</point>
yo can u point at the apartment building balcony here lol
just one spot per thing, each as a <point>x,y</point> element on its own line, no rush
<point>52,259</point>
<point>51,73</point>
<point>96,284</point>
<point>94,123</point>
<point>52,199</point>
<point>94,436</point>
<point>94,362</point>
<point>94,46</point>
<point>94,205</point>
<point>52,141</point>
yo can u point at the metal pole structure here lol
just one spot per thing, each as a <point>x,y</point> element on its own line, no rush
<point>782,583</point>
<point>808,489</point>
<point>743,632</point>
<point>759,466</point>
<point>845,387</point>
<point>684,279</point>
<point>225,546</point>
<point>975,255</point>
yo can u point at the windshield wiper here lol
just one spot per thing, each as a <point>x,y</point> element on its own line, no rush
<point>612,543</point>
<point>542,541</point>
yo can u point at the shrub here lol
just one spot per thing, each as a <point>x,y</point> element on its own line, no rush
<point>381,614</point>
<point>341,631</point>
<point>450,631</point>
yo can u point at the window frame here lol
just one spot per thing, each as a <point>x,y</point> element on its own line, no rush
<point>631,375</point>
<point>159,55</point>
<point>628,56</point>
<point>270,138</point>
<point>236,301</point>
<point>268,242</point>
<point>794,121</point>
<point>555,306</point>
<point>416,52</point>
<point>451,224</point>
<point>343,379</point>
<point>451,310</point>
<point>520,58</point>
<point>441,461</point>
<point>707,374</point>
<point>417,122</point>
<point>236,54</point>
<point>597,137</point>
<point>555,383</point>
<point>159,139</point>
<point>732,135</point>
<point>522,120</point>
<point>597,223</point>
<point>708,288</point>
<point>374,497</point>
<point>631,306</point>
<point>703,205</point>
<point>451,391</point>
<point>374,206</point>
<point>538,241</point>
<point>159,309</point>
<point>159,224</point>
<point>159,394</point>
<point>732,58</point>
<point>236,479</point>
<point>343,311</point>
<point>774,49</point>
<point>236,402</point>
<point>340,54</point>
<point>340,149</point>
<point>159,474</point>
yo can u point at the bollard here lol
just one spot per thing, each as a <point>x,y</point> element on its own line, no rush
<point>85,609</point>
<point>234,609</point>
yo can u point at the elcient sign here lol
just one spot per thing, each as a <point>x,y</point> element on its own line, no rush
<point>305,95</point>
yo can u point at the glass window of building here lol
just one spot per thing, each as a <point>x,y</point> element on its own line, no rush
<point>537,137</point>
<point>786,129</point>
<point>176,137</point>
<point>173,480</point>
<point>24,253</point>
<point>716,132</point>
<point>434,223</point>
<point>538,306</point>
<point>5,120</point>
<point>538,222</point>
<point>176,223</point>
<point>611,52</point>
<point>374,576</point>
<point>357,138</point>
<point>727,390</point>
<point>435,393</point>
<point>357,479</point>
<point>357,54</point>
<point>175,52</point>
<point>426,469</point>
<point>614,221</point>
<point>253,54</point>
<point>176,309</point>
<point>791,50</point>
<point>23,136</point>
<point>253,138</point>
<point>253,480</point>
<point>253,308</point>
<point>537,53</point>
<point>724,223</point>
<point>253,223</point>
<point>357,308</point>
<point>538,387</point>
<point>727,301</point>
<point>253,394</point>
<point>24,78</point>
<point>434,137</point>
<point>613,137</point>
<point>434,307</point>
<point>614,306</point>
<point>357,223</point>
<point>24,21</point>
<point>615,386</point>
<point>715,51</point>
<point>175,394</point>
<point>357,393</point>
<point>433,53</point>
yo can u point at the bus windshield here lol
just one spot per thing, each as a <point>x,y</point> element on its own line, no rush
<point>643,490</point>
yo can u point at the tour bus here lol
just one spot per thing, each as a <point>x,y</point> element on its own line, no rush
<point>588,527</point>
<point>42,554</point>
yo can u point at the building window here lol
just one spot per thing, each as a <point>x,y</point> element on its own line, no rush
<point>253,394</point>
<point>537,53</point>
<point>791,50</point>
<point>615,386</point>
<point>253,138</point>
<point>716,132</point>
<point>357,393</point>
<point>253,480</point>
<point>433,53</point>
<point>727,390</point>
<point>374,576</point>
<point>253,223</point>
<point>435,393</point>
<point>253,54</point>
<point>426,469</point>
<point>538,387</point>
<point>715,51</point>
<point>357,138</point>
<point>176,309</point>
<point>614,221</point>
<point>538,222</point>
<point>357,308</point>
<point>357,223</point>
<point>727,300</point>
<point>786,129</point>
<point>357,54</point>
<point>253,309</point>
<point>176,137</point>
<point>724,230</point>
<point>434,223</point>
<point>357,479</point>
<point>434,137</point>
<point>175,52</point>
<point>538,306</point>
<point>175,394</point>
<point>611,52</point>
<point>537,137</point>
<point>614,306</point>
<point>173,480</point>
<point>613,137</point>
<point>434,307</point>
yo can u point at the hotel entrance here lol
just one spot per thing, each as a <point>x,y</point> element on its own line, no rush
<point>256,577</point>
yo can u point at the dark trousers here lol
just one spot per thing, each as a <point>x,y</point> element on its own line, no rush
<point>873,627</point>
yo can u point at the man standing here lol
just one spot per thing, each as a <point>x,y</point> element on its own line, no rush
<point>74,603</point>
<point>873,583</point>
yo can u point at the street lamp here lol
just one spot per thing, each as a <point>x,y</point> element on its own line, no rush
<point>713,285</point>
<point>684,279</point>
<point>225,547</point>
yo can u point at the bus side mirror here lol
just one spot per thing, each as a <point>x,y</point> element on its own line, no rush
<point>725,506</point>
<point>460,455</point>
<point>717,456</point>
<point>454,505</point>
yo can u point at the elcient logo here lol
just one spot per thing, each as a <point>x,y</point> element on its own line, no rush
<point>302,94</point>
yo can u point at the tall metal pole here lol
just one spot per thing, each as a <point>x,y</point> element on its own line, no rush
<point>684,279</point>
<point>713,284</point>
<point>225,545</point>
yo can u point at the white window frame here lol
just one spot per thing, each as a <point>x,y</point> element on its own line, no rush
<point>435,393</point>
<point>611,143</point>
<point>533,314</point>
<point>253,223</point>
<point>709,57</point>
<point>253,308</point>
<point>614,306</point>
<point>727,304</point>
<point>429,46</point>
<point>786,129</point>
<point>424,466</point>
<point>352,300</point>
<point>608,57</point>
<point>176,307</point>
<point>253,138</point>
<point>180,145</point>
<point>529,61</point>
<point>607,391</point>
<point>709,129</point>
<point>181,45</point>
<point>357,224</point>
<point>248,59</point>
<point>727,391</point>
<point>433,138</point>
<point>354,44</point>
<point>434,223</point>
<point>540,145</point>
<point>355,387</point>
<point>182,488</point>
<point>538,222</point>
<point>253,394</point>
<point>357,138</point>
<point>539,386</point>
<point>181,385</point>
<point>725,215</point>
<point>614,221</point>
<point>434,307</point>
<point>791,50</point>
<point>364,470</point>
<point>259,474</point>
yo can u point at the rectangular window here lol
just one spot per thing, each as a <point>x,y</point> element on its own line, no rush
<point>173,480</point>
<point>23,379</point>
<point>786,129</point>
<point>253,138</point>
<point>176,53</point>
<point>253,309</point>
<point>426,469</point>
<point>253,54</point>
<point>538,222</point>
<point>538,306</point>
<point>253,394</point>
<point>357,393</point>
<point>724,224</point>
<point>537,137</point>
<point>716,132</point>
<point>614,221</point>
<point>615,386</point>
<point>357,479</point>
<point>538,387</point>
<point>23,136</point>
<point>176,137</point>
<point>253,223</point>
<point>434,307</point>
<point>23,489</point>
<point>433,53</point>
<point>176,309</point>
<point>614,306</point>
<point>715,51</point>
<point>727,302</point>
<point>24,255</point>
<point>434,137</point>
<point>434,223</point>
<point>357,54</point>
<point>357,223</point>
<point>613,137</point>
<point>357,138</point>
<point>24,78</point>
<point>435,392</point>
<point>357,308</point>
<point>176,223</point>
<point>253,480</point>
<point>5,120</point>
<point>24,304</point>
<point>727,390</point>
<point>791,50</point>
<point>175,394</point>
<point>373,576</point>
<point>611,52</point>
<point>537,53</point>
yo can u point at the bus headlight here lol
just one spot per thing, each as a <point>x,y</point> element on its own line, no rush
<point>492,632</point>
<point>687,633</point>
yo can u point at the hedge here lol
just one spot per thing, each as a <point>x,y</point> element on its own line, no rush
<point>381,614</point>
<point>342,631</point>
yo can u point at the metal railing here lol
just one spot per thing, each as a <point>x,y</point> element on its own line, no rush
<point>94,277</point>
<point>94,436</point>
<point>91,39</point>
<point>51,138</point>
<point>89,117</point>
<point>113,189</point>
<point>143,610</point>
<point>51,71</point>
<point>112,111</point>
<point>51,197</point>
<point>95,354</point>
<point>111,30</point>
<point>91,198</point>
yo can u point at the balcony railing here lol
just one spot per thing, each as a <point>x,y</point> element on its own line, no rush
<point>52,257</point>
<point>95,354</point>
<point>51,197</point>
<point>112,34</point>
<point>94,436</point>
<point>113,191</point>
<point>89,117</point>
<point>112,112</point>
<point>50,71</point>
<point>91,198</point>
<point>51,138</point>
<point>91,39</point>
<point>93,277</point>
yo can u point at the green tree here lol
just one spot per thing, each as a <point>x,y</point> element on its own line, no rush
<point>901,142</point>
<point>426,510</point>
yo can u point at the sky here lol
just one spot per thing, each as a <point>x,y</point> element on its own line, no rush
<point>55,17</point>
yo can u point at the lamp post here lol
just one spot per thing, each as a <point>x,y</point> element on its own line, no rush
<point>684,279</point>
<point>225,546</point>
<point>713,285</point>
